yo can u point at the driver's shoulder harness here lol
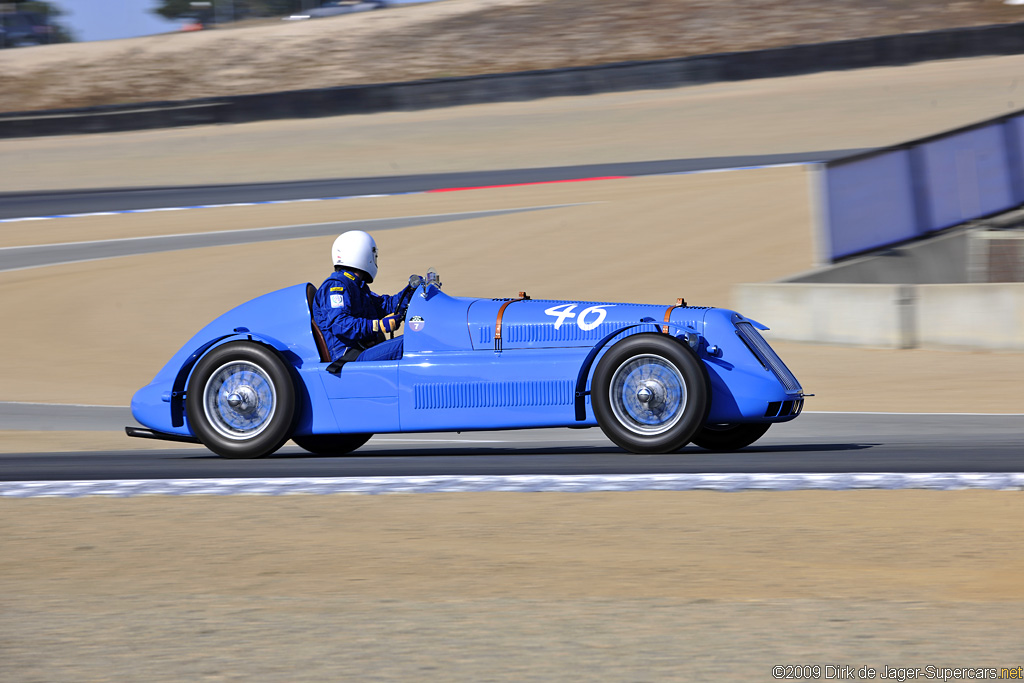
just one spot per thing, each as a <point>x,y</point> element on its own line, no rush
<point>351,353</point>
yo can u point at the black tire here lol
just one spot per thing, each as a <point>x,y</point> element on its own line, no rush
<point>331,444</point>
<point>256,377</point>
<point>669,375</point>
<point>730,437</point>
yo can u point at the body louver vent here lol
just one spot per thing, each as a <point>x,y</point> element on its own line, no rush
<point>535,333</point>
<point>493,394</point>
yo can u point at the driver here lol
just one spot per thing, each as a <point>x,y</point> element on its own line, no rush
<point>353,319</point>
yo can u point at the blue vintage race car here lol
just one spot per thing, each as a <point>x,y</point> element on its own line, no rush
<point>654,378</point>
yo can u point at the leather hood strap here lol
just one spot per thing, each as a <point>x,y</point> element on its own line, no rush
<point>680,303</point>
<point>523,296</point>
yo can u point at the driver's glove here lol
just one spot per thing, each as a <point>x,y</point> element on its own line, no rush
<point>386,324</point>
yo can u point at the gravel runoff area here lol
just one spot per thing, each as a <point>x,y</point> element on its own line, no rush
<point>450,38</point>
<point>649,586</point>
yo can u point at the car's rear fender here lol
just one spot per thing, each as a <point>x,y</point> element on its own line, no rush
<point>279,320</point>
<point>160,405</point>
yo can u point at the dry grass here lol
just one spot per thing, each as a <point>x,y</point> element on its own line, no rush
<point>451,38</point>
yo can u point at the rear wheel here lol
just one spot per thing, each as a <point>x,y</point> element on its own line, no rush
<point>729,437</point>
<point>241,401</point>
<point>331,444</point>
<point>650,394</point>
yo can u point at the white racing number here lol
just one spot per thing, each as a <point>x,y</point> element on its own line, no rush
<point>582,320</point>
<point>589,318</point>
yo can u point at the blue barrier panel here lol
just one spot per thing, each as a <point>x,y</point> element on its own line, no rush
<point>967,175</point>
<point>869,203</point>
<point>1014,131</point>
<point>920,187</point>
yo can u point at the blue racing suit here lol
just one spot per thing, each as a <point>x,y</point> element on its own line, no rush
<point>347,312</point>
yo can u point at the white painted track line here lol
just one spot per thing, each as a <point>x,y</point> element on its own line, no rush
<point>126,488</point>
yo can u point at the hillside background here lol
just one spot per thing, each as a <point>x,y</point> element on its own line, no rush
<point>449,38</point>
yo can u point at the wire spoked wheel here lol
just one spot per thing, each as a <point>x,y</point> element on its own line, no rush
<point>241,401</point>
<point>650,394</point>
<point>647,394</point>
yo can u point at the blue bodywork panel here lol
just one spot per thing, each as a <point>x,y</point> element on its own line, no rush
<point>463,370</point>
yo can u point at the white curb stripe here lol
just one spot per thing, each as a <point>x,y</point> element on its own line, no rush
<point>123,488</point>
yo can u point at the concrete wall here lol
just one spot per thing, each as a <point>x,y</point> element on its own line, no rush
<point>857,315</point>
<point>974,316</point>
<point>989,251</point>
<point>938,260</point>
<point>968,316</point>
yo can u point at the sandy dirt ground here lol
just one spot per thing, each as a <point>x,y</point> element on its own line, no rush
<point>508,587</point>
<point>839,110</point>
<point>451,38</point>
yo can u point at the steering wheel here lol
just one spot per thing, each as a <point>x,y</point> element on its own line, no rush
<point>403,303</point>
<point>415,281</point>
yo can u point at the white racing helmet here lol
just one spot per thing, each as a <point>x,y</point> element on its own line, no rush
<point>356,249</point>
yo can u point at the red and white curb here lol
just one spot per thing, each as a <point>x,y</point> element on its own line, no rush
<point>125,488</point>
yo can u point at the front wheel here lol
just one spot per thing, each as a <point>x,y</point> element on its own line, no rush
<point>730,437</point>
<point>650,394</point>
<point>241,401</point>
<point>331,444</point>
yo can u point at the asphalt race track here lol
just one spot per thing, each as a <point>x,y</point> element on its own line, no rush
<point>35,256</point>
<point>813,443</point>
<point>25,204</point>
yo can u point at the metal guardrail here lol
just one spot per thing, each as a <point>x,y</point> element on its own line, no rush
<point>1003,39</point>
